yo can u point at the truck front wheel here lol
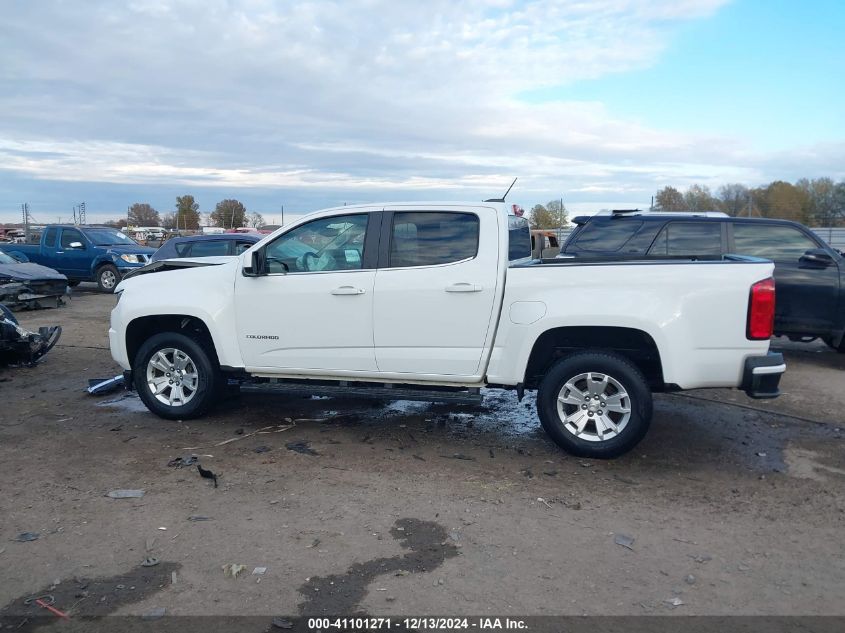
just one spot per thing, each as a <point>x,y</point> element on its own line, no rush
<point>175,376</point>
<point>107,278</point>
<point>595,404</point>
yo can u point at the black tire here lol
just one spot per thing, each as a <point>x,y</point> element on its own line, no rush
<point>107,278</point>
<point>620,372</point>
<point>208,377</point>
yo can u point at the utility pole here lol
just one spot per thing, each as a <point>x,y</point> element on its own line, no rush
<point>282,223</point>
<point>560,223</point>
<point>25,213</point>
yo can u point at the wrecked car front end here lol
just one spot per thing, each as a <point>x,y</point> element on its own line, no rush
<point>20,346</point>
<point>25,285</point>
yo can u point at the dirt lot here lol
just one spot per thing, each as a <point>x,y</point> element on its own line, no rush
<point>735,506</point>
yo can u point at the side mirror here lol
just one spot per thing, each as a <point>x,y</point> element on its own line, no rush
<point>257,266</point>
<point>817,257</point>
<point>77,246</point>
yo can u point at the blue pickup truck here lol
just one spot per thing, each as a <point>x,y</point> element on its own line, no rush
<point>84,253</point>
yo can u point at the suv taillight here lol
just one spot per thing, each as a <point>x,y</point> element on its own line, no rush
<point>761,310</point>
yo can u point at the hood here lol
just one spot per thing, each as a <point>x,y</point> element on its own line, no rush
<point>29,272</point>
<point>129,249</point>
<point>164,265</point>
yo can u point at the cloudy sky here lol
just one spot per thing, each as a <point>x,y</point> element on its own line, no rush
<point>309,104</point>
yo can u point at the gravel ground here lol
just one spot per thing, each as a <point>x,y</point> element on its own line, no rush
<point>729,506</point>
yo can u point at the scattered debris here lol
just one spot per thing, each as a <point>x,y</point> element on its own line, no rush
<point>625,541</point>
<point>46,602</point>
<point>231,570</point>
<point>154,614</point>
<point>259,571</point>
<point>207,474</point>
<point>126,494</point>
<point>701,558</point>
<point>550,473</point>
<point>544,502</point>
<point>182,462</point>
<point>419,457</point>
<point>149,561</point>
<point>261,449</point>
<point>674,602</point>
<point>173,578</point>
<point>467,458</point>
<point>198,517</point>
<point>761,454</point>
<point>492,454</point>
<point>314,544</point>
<point>162,528</point>
<point>282,623</point>
<point>527,472</point>
<point>267,429</point>
<point>25,537</point>
<point>103,386</point>
<point>301,446</point>
<point>690,579</point>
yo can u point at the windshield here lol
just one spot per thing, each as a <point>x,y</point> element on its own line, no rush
<point>109,237</point>
<point>5,259</point>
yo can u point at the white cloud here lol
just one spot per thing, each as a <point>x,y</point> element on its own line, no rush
<point>366,96</point>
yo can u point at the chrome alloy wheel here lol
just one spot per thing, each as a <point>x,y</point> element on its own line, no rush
<point>108,279</point>
<point>172,377</point>
<point>594,407</point>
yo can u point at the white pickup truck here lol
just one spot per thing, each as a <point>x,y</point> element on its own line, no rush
<point>435,301</point>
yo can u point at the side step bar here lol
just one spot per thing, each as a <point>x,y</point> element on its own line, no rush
<point>379,391</point>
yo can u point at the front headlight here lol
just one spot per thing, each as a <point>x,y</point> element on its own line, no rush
<point>132,259</point>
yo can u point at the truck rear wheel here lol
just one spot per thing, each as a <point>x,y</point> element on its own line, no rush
<point>595,404</point>
<point>175,376</point>
<point>107,278</point>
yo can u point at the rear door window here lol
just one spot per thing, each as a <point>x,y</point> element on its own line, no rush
<point>607,236</point>
<point>520,240</point>
<point>50,237</point>
<point>428,239</point>
<point>783,243</point>
<point>689,239</point>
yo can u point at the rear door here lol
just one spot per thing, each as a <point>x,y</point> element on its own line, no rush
<point>435,290</point>
<point>806,293</point>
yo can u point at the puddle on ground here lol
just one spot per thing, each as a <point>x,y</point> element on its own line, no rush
<point>86,597</point>
<point>342,593</point>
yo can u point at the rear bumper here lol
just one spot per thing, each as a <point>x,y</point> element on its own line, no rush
<point>761,375</point>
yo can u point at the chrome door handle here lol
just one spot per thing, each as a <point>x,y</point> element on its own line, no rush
<point>463,286</point>
<point>348,290</point>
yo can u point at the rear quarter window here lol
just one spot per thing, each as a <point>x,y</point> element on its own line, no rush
<point>608,236</point>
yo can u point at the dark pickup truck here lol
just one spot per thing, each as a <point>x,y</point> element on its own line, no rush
<point>809,274</point>
<point>84,253</point>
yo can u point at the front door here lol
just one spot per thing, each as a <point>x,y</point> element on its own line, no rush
<point>73,262</point>
<point>314,308</point>
<point>806,294</point>
<point>435,292</point>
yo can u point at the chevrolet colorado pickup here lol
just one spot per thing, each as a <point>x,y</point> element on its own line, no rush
<point>84,253</point>
<point>435,301</point>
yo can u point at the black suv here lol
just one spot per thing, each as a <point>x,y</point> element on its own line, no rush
<point>809,274</point>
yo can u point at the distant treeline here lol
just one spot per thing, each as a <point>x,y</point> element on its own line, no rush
<point>817,202</point>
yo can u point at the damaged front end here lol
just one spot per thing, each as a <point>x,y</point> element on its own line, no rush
<point>33,295</point>
<point>20,346</point>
